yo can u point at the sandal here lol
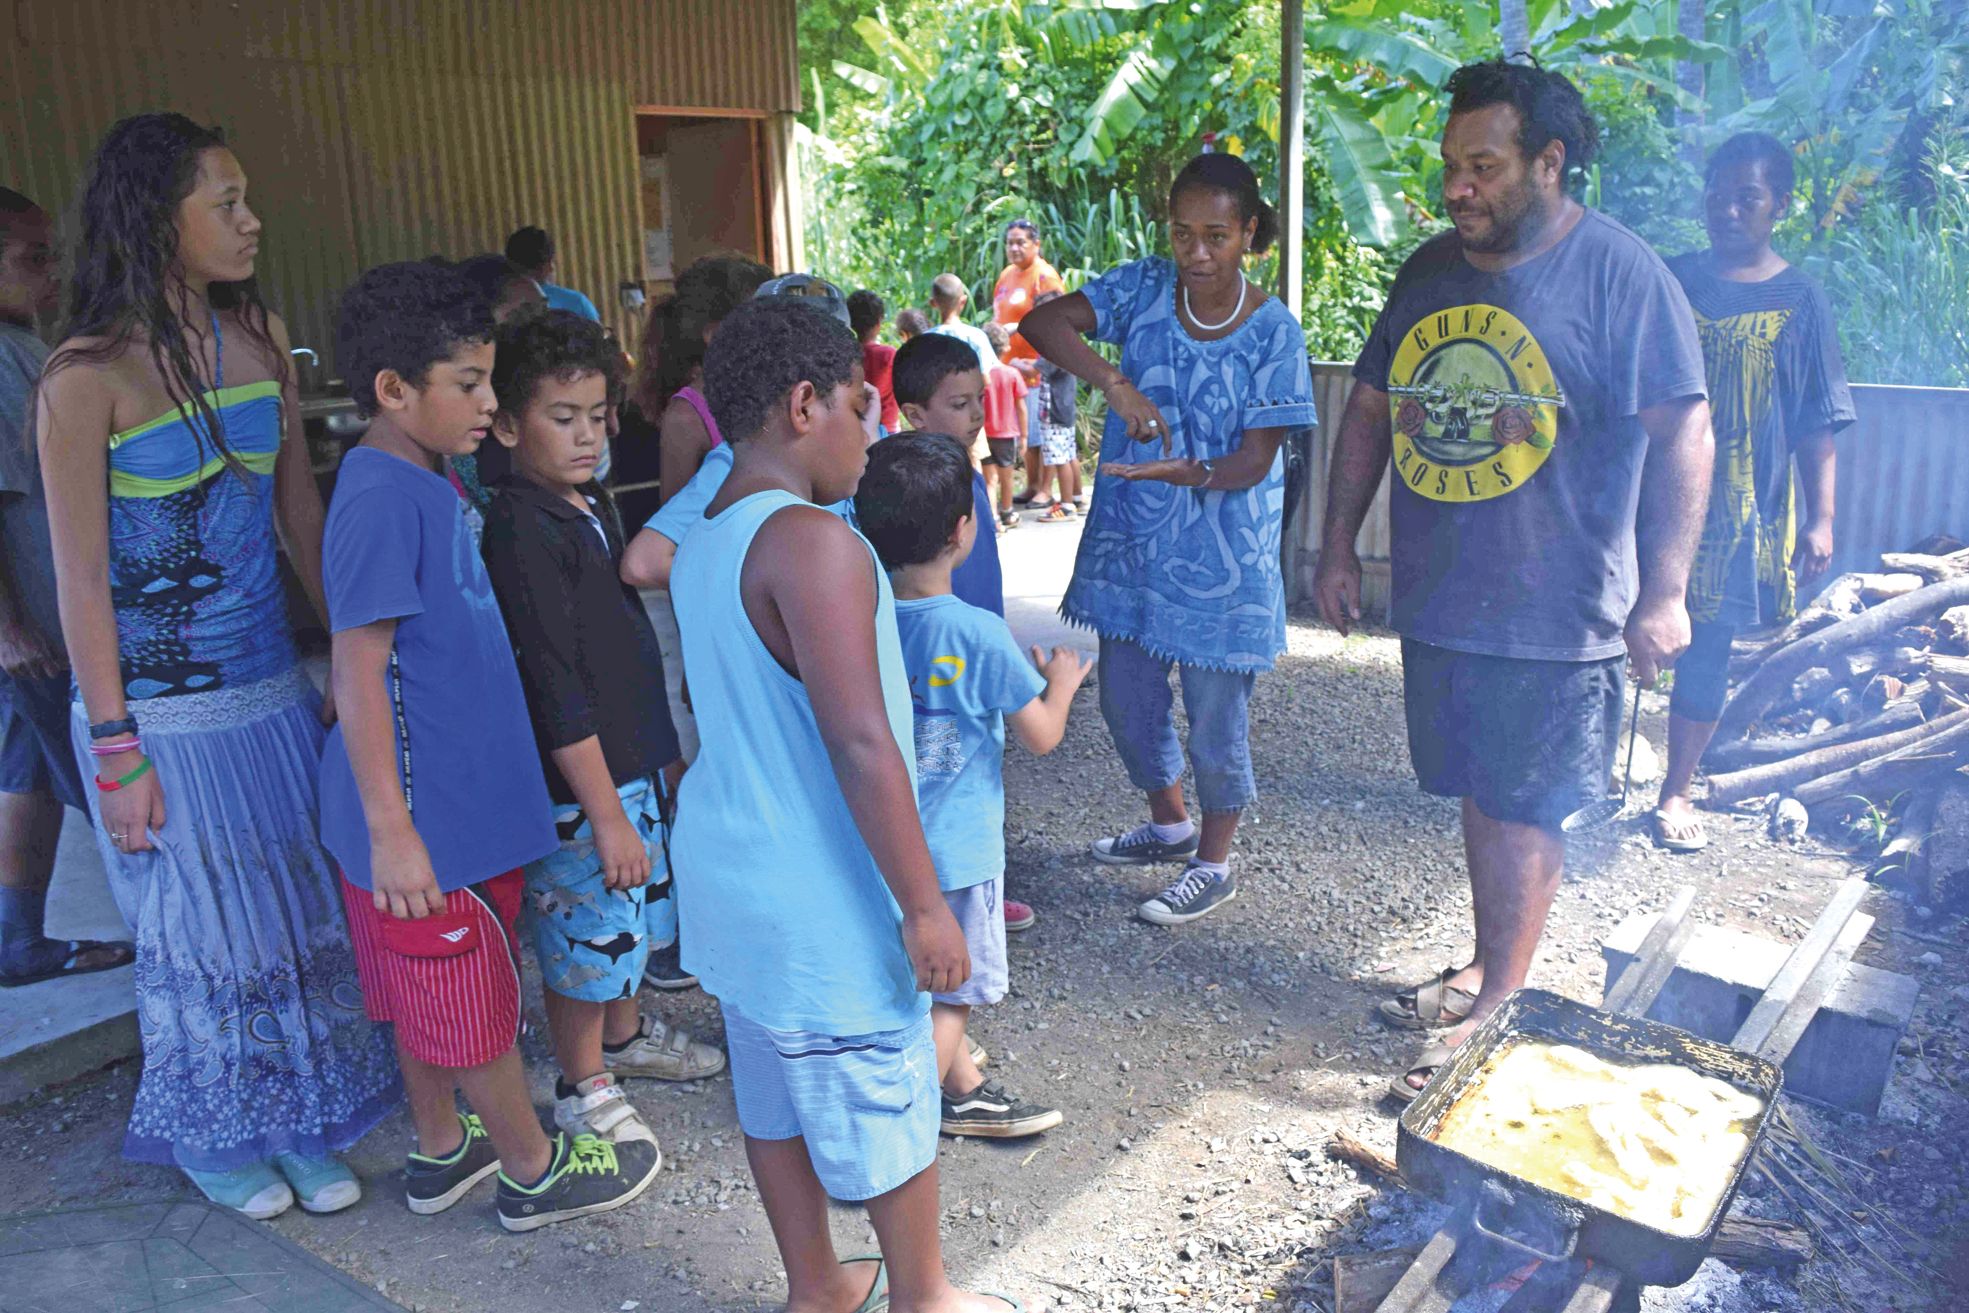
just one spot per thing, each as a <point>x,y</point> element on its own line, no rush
<point>1437,1005</point>
<point>1008,519</point>
<point>1680,834</point>
<point>877,1298</point>
<point>1425,1065</point>
<point>1057,512</point>
<point>121,954</point>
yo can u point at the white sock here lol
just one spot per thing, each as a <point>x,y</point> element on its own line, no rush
<point>1172,833</point>
<point>1217,869</point>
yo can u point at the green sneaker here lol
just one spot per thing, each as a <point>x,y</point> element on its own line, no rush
<point>432,1185</point>
<point>322,1185</point>
<point>254,1191</point>
<point>588,1176</point>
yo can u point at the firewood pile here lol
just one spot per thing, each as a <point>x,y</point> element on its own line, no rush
<point>1861,706</point>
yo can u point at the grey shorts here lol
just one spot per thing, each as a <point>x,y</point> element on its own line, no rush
<point>980,913</point>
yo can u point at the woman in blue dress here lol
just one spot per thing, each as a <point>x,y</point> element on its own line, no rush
<point>170,438</point>
<point>1179,561</point>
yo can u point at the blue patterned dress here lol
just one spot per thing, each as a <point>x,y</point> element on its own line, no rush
<point>1191,576</point>
<point>253,1030</point>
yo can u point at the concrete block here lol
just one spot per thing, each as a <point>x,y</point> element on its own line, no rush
<point>1846,1055</point>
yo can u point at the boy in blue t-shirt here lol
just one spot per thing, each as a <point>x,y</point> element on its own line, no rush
<point>432,795</point>
<point>967,681</point>
<point>812,903</point>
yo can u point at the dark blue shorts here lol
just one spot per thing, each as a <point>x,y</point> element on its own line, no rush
<point>35,753</point>
<point>1528,741</point>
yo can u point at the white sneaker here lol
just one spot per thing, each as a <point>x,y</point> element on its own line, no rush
<point>598,1107</point>
<point>665,1052</point>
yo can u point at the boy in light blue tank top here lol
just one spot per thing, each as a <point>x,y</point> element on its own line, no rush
<point>817,922</point>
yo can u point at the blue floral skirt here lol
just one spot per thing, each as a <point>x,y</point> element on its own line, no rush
<point>253,1031</point>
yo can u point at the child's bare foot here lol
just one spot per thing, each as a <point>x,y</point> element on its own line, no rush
<point>858,1284</point>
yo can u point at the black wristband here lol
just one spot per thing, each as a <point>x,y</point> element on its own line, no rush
<point>109,729</point>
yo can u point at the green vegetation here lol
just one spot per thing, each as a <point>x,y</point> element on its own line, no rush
<point>930,123</point>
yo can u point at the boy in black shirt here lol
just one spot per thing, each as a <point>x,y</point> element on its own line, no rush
<point>594,686</point>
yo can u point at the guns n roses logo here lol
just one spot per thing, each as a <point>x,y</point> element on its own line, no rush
<point>1474,403</point>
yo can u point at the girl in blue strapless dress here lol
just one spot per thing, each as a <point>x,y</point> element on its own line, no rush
<point>202,732</point>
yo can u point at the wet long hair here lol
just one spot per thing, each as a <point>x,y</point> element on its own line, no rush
<point>673,338</point>
<point>121,286</point>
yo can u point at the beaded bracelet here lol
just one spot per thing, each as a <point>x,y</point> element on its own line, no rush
<point>111,786</point>
<point>116,749</point>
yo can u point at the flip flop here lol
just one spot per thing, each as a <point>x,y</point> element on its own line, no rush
<point>878,1294</point>
<point>1436,1005</point>
<point>1430,1058</point>
<point>122,955</point>
<point>1693,838</point>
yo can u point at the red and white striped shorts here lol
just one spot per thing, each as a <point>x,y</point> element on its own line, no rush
<point>451,981</point>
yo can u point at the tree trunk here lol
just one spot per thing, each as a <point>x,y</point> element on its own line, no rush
<point>1783,776</point>
<point>1692,22</point>
<point>1514,26</point>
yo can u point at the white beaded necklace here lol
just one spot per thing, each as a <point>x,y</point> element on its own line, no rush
<point>1236,310</point>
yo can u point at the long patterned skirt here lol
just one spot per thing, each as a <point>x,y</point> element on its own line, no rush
<point>253,1031</point>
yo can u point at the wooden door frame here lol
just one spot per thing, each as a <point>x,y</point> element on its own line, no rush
<point>755,142</point>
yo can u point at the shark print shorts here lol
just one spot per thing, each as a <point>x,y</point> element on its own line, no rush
<point>592,941</point>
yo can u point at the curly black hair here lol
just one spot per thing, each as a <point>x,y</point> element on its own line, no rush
<point>766,348</point>
<point>556,344</point>
<point>1780,170</point>
<point>406,317</point>
<point>924,362</point>
<point>865,312</point>
<point>1549,107</point>
<point>916,489</point>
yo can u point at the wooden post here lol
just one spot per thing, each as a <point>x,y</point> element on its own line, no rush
<point>1292,155</point>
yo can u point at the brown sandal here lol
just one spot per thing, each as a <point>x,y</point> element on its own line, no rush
<point>1437,1005</point>
<point>1425,1064</point>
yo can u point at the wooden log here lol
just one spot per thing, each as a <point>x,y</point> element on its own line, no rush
<point>1951,672</point>
<point>1932,569</point>
<point>1349,1150</point>
<point>1878,588</point>
<point>1898,859</point>
<point>1786,776</point>
<point>1757,694</point>
<point>1776,747</point>
<point>1362,1281</point>
<point>1953,628</point>
<point>1936,754</point>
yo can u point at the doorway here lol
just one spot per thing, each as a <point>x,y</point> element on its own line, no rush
<point>702,188</point>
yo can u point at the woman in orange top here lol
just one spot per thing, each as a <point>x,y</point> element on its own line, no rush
<point>1026,277</point>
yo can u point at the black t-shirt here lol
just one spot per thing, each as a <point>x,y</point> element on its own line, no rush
<point>1775,377</point>
<point>587,653</point>
<point>1518,444</point>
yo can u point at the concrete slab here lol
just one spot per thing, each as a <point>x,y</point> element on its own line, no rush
<point>1846,1055</point>
<point>182,1256</point>
<point>59,1029</point>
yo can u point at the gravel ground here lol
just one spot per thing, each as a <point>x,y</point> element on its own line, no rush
<point>1202,1070</point>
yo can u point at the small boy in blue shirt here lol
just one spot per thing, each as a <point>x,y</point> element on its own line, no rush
<point>432,795</point>
<point>593,677</point>
<point>967,681</point>
<point>812,909</point>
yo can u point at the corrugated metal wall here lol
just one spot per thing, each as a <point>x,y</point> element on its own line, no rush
<point>1903,474</point>
<point>376,130</point>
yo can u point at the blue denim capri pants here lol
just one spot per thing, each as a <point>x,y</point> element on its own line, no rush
<point>1140,709</point>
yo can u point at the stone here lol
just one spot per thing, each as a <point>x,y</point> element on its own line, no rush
<point>1790,821</point>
